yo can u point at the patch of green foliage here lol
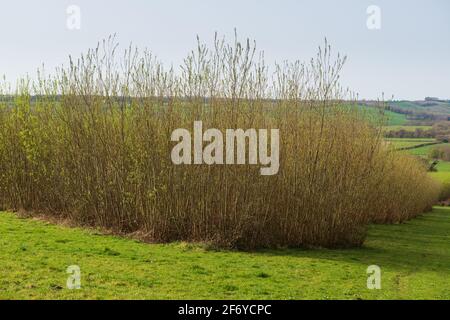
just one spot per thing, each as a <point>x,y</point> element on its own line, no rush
<point>414,258</point>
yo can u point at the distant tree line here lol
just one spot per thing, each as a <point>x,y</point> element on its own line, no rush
<point>441,131</point>
<point>419,116</point>
<point>402,133</point>
<point>440,153</point>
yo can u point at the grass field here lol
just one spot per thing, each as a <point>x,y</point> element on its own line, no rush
<point>406,128</point>
<point>406,143</point>
<point>443,172</point>
<point>393,118</point>
<point>414,258</point>
<point>423,151</point>
<point>443,167</point>
<point>442,176</point>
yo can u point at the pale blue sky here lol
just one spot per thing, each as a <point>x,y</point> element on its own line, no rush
<point>408,57</point>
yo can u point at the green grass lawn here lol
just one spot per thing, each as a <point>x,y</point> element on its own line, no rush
<point>414,258</point>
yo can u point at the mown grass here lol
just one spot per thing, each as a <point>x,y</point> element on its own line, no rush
<point>414,258</point>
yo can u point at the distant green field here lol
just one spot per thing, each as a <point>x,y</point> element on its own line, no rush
<point>442,176</point>
<point>395,119</point>
<point>443,166</point>
<point>407,105</point>
<point>406,128</point>
<point>407,143</point>
<point>443,172</point>
<point>423,151</point>
<point>392,118</point>
<point>422,140</point>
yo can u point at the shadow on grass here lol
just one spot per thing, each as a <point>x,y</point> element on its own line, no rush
<point>420,244</point>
